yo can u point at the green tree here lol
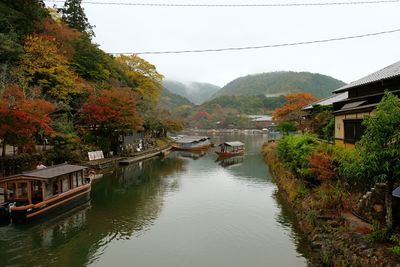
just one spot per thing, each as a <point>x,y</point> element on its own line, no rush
<point>65,139</point>
<point>22,15</point>
<point>93,64</point>
<point>380,147</point>
<point>323,122</point>
<point>10,48</point>
<point>286,126</point>
<point>74,15</point>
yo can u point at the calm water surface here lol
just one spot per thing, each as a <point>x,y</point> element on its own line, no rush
<point>184,210</point>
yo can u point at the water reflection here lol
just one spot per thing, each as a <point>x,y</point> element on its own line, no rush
<point>123,205</point>
<point>184,210</point>
<point>226,162</point>
<point>191,154</point>
<point>287,219</point>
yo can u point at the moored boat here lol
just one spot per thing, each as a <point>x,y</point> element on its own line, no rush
<point>191,143</point>
<point>36,193</point>
<point>231,149</point>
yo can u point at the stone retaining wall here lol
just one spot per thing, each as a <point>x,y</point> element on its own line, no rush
<point>372,205</point>
<point>334,242</point>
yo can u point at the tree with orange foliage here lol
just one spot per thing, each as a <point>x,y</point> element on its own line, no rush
<point>291,111</point>
<point>21,118</point>
<point>43,65</point>
<point>111,113</point>
<point>63,35</point>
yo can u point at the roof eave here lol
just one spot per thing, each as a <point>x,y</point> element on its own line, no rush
<point>348,87</point>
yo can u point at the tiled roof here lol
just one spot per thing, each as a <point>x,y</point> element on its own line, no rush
<point>53,171</point>
<point>383,74</point>
<point>357,108</point>
<point>328,101</point>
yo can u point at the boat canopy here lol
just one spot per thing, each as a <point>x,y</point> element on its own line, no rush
<point>49,172</point>
<point>234,144</point>
<point>192,139</point>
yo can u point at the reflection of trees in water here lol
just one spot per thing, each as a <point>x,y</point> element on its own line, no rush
<point>288,219</point>
<point>252,169</point>
<point>129,201</point>
<point>33,244</point>
<point>123,204</point>
<point>231,161</point>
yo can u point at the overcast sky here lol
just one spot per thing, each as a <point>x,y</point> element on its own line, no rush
<point>134,29</point>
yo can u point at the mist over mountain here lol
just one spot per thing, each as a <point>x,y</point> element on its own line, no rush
<point>281,83</point>
<point>196,92</point>
<point>171,101</point>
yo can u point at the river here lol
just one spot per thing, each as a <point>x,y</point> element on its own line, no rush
<point>183,210</point>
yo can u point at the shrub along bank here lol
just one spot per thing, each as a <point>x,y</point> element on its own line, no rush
<point>322,184</point>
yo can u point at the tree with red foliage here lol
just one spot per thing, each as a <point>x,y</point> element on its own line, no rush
<point>321,166</point>
<point>291,111</point>
<point>21,118</point>
<point>111,113</point>
<point>201,115</point>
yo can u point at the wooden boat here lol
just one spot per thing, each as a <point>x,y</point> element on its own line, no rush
<point>36,193</point>
<point>191,143</point>
<point>231,149</point>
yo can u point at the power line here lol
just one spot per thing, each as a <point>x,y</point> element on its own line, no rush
<point>259,47</point>
<point>232,5</point>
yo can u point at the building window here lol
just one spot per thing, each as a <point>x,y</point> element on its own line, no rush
<point>353,130</point>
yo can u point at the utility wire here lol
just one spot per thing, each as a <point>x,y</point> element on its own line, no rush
<point>258,47</point>
<point>232,5</point>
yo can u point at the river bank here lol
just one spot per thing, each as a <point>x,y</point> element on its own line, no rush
<point>337,237</point>
<point>11,165</point>
<point>109,163</point>
<point>169,211</point>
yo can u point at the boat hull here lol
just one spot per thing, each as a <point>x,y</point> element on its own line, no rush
<point>55,205</point>
<point>195,148</point>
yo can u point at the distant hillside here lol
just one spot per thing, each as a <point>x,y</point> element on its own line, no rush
<point>257,104</point>
<point>171,101</point>
<point>278,83</point>
<point>194,91</point>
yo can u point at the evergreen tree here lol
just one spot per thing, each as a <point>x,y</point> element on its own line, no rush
<point>74,16</point>
<point>380,147</point>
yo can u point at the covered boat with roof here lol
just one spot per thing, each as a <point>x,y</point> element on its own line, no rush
<point>191,143</point>
<point>36,193</point>
<point>230,149</point>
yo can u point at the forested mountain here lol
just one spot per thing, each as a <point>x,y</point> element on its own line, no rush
<point>281,83</point>
<point>196,92</point>
<point>172,101</point>
<point>60,88</point>
<point>258,104</point>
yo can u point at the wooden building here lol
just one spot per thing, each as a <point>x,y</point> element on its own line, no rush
<point>363,96</point>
